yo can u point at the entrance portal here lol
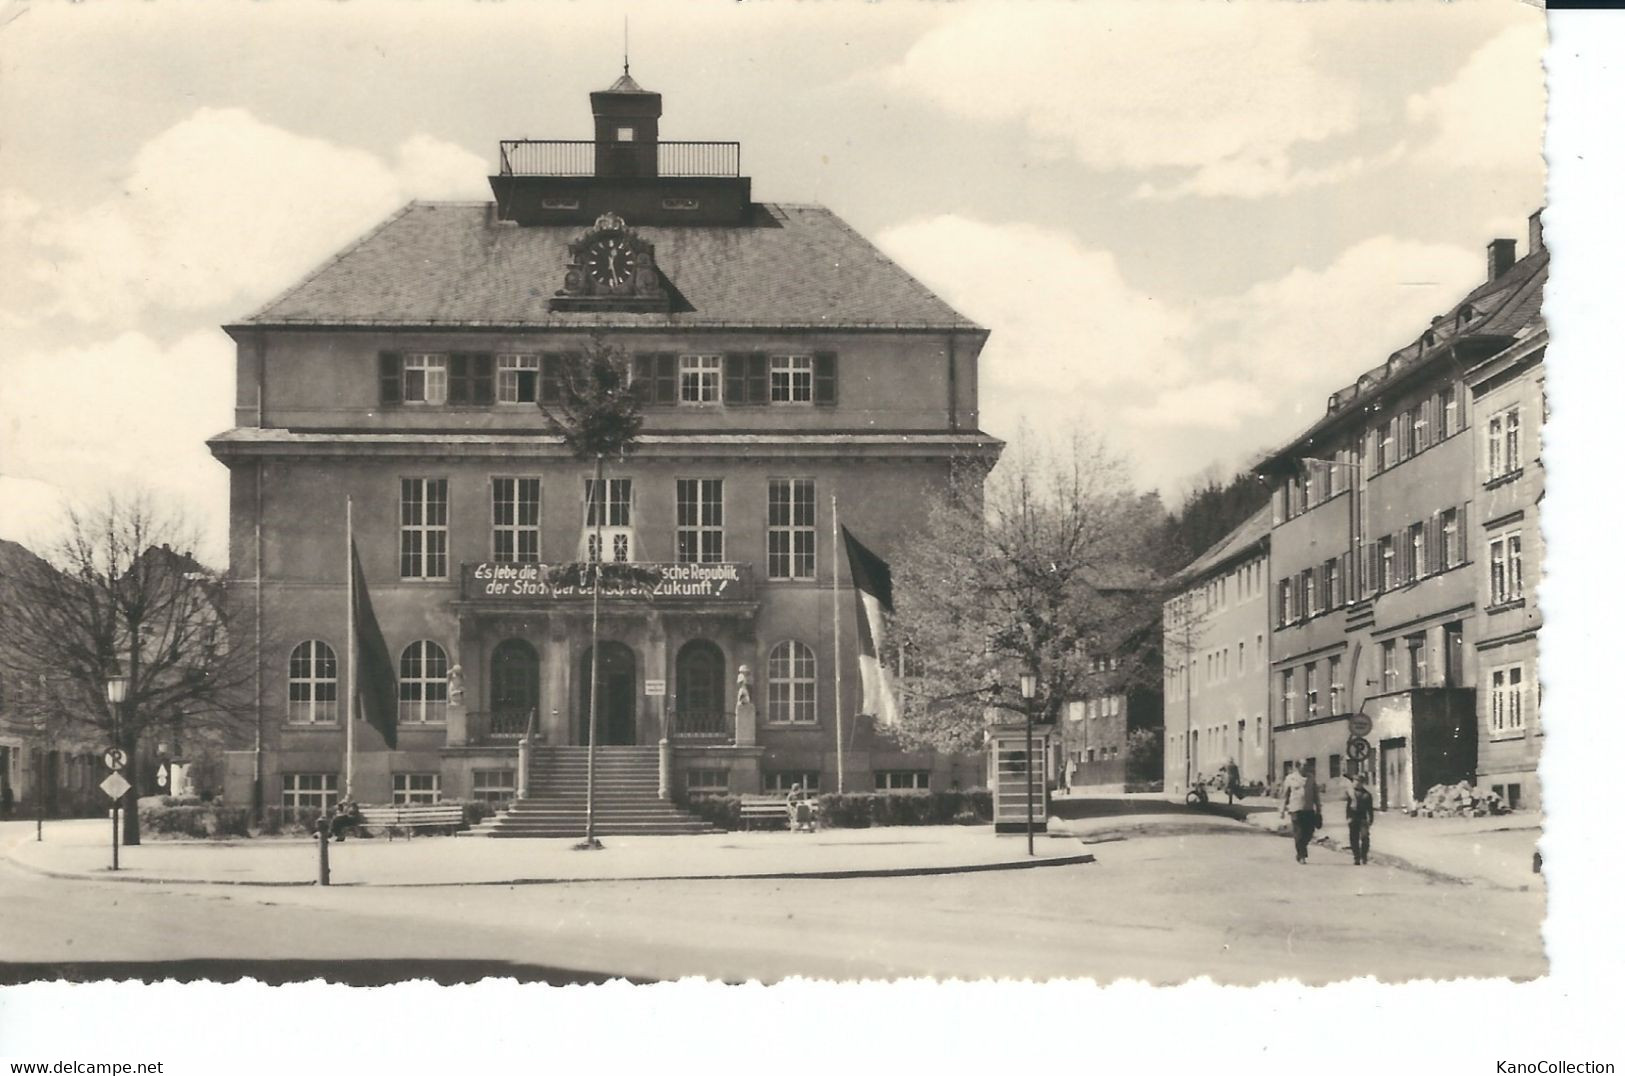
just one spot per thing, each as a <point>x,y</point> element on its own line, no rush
<point>515,680</point>
<point>617,694</point>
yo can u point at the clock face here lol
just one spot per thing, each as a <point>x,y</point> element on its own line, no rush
<point>610,261</point>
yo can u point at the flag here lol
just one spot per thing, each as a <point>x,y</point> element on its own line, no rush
<point>375,671</point>
<point>871,585</point>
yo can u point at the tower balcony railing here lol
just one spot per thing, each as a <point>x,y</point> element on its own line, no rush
<point>559,157</point>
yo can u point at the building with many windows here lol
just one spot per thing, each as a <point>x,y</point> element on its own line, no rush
<point>1215,697</point>
<point>1377,573</point>
<point>789,370</point>
<point>1509,399</point>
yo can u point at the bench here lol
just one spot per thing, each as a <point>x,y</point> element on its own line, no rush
<point>412,816</point>
<point>775,808</point>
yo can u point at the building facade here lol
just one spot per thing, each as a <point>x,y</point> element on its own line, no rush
<point>1216,631</point>
<point>1509,397</point>
<point>789,372</point>
<point>1376,582</point>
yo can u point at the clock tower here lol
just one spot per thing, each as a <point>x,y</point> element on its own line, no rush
<point>626,126</point>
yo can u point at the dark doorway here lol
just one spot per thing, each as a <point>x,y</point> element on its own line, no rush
<point>701,687</point>
<point>617,694</point>
<point>515,691</point>
<point>1395,775</point>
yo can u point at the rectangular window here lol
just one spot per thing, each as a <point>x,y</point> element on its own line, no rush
<point>902,780</point>
<point>411,788</point>
<point>699,379</point>
<point>1311,690</point>
<point>1385,552</point>
<point>790,378</point>
<point>1506,700</point>
<point>423,528</point>
<point>1289,698</point>
<point>305,790</point>
<point>778,782</point>
<point>423,379</point>
<point>494,786</point>
<point>707,782</point>
<point>1311,593</point>
<point>1416,661</point>
<point>1506,568</point>
<point>614,515</point>
<point>1450,401</point>
<point>1390,666</point>
<point>625,134</point>
<point>1419,426</point>
<point>1334,583</point>
<point>1407,434</point>
<point>1451,552</point>
<point>1416,556</point>
<point>699,520</point>
<point>791,518</point>
<point>1505,452</point>
<point>519,378</point>
<point>1386,456</point>
<point>516,520</point>
<point>1334,684</point>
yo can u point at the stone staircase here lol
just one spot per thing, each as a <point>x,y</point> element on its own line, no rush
<point>626,789</point>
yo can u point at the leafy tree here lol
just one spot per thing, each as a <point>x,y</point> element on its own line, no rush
<point>1144,755</point>
<point>1042,570</point>
<point>114,595</point>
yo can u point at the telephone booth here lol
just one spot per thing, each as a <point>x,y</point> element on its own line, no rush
<point>1011,768</point>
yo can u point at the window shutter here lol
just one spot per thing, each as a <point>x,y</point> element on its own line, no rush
<point>457,379</point>
<point>1373,568</point>
<point>484,371</point>
<point>389,377</point>
<point>1460,389</point>
<point>666,378</point>
<point>1347,581</point>
<point>757,384</point>
<point>551,390</point>
<point>824,378</point>
<point>643,376</point>
<point>733,377</point>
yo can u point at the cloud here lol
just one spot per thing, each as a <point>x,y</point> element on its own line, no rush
<point>1265,173</point>
<point>1222,91</point>
<point>121,414</point>
<point>1492,114</point>
<point>220,209</point>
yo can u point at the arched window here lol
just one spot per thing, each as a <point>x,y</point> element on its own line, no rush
<point>313,684</point>
<point>792,683</point>
<point>423,683</point>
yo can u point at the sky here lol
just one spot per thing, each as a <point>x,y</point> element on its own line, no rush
<point>1184,224</point>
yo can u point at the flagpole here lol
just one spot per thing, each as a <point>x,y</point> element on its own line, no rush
<point>835,602</point>
<point>349,698</point>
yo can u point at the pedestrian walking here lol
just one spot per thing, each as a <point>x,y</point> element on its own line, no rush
<point>1232,781</point>
<point>1300,800</point>
<point>1362,810</point>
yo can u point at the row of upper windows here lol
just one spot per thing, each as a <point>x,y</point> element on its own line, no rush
<point>481,378</point>
<point>424,684</point>
<point>1421,549</point>
<point>1323,691</point>
<point>607,515</point>
<point>1215,666</point>
<point>1380,447</point>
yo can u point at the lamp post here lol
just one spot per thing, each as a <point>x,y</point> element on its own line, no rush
<point>118,689</point>
<point>1029,688</point>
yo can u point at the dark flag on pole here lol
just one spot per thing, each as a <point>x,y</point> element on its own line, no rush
<point>375,671</point>
<point>871,585</point>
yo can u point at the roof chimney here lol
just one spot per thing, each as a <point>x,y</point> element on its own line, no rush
<point>1537,241</point>
<point>1503,252</point>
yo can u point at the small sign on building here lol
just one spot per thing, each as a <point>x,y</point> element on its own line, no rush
<point>654,687</point>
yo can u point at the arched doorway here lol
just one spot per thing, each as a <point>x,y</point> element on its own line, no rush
<point>701,689</point>
<point>617,694</point>
<point>515,686</point>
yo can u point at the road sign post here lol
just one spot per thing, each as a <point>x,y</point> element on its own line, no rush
<point>115,786</point>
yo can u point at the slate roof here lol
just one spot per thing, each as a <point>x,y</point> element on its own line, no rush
<point>1252,531</point>
<point>455,263</point>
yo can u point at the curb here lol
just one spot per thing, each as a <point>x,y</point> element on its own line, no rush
<point>1388,859</point>
<point>824,875</point>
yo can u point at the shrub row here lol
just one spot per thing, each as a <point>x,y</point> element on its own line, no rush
<point>861,810</point>
<point>168,817</point>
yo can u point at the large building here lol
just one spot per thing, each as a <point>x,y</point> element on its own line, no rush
<point>790,371</point>
<point>1215,698</point>
<point>1378,573</point>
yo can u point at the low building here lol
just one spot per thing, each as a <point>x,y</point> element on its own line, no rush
<point>1215,645</point>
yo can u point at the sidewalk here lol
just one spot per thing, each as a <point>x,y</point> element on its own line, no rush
<point>1498,849</point>
<point>83,849</point>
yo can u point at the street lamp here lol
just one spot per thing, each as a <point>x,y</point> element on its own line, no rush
<point>1029,688</point>
<point>118,689</point>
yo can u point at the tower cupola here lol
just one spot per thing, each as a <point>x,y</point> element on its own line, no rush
<point>626,127</point>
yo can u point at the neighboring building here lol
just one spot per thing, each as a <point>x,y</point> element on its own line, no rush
<point>1216,630</point>
<point>787,365</point>
<point>1375,599</point>
<point>1509,400</point>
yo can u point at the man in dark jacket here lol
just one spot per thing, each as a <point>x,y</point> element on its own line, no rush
<point>1362,811</point>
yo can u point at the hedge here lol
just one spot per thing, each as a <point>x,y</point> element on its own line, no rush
<point>169,817</point>
<point>861,810</point>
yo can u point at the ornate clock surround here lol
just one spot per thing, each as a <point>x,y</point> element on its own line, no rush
<point>611,267</point>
